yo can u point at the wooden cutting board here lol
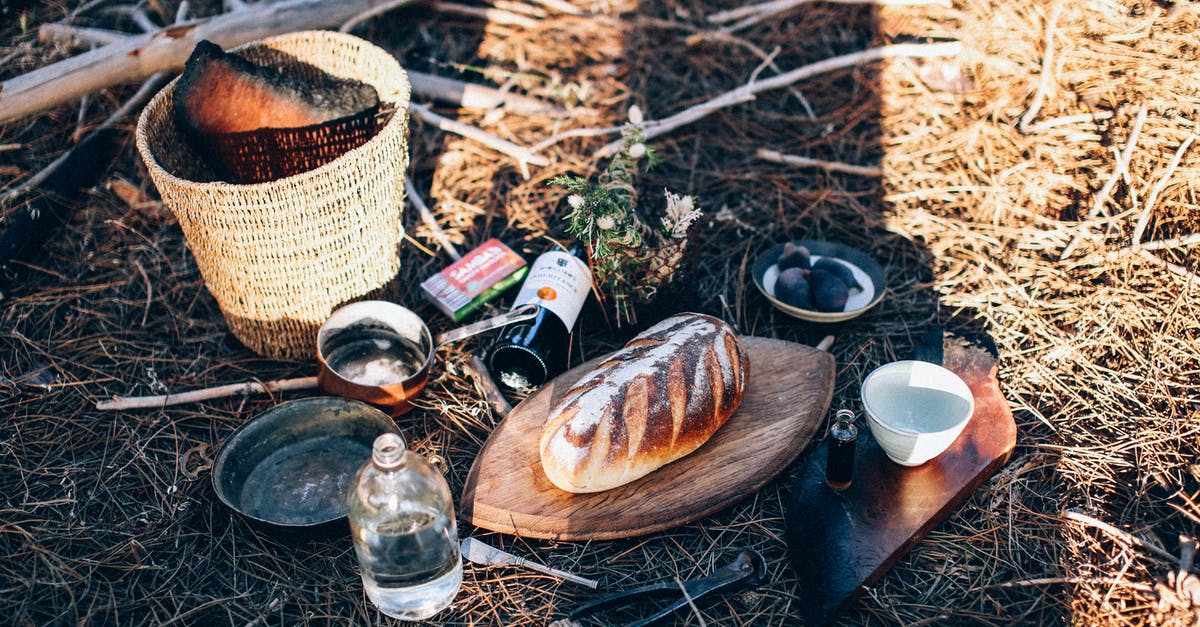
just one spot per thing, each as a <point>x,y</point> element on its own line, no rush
<point>787,395</point>
<point>840,542</point>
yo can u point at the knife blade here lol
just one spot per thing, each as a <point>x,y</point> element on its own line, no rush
<point>483,553</point>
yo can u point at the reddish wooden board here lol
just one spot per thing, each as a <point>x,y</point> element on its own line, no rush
<point>839,542</point>
<point>787,395</point>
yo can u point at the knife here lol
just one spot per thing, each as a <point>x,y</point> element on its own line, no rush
<point>483,553</point>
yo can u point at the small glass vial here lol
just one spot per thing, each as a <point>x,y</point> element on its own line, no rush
<point>402,522</point>
<point>839,461</point>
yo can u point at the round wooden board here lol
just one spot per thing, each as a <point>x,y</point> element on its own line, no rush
<point>789,390</point>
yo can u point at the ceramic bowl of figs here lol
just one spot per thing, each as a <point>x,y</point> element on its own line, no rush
<point>819,281</point>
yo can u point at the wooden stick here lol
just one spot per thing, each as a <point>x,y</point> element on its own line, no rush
<point>1117,534</point>
<point>135,101</point>
<point>1026,121</point>
<point>654,128</point>
<point>139,56</point>
<point>806,162</point>
<point>488,14</point>
<point>561,6</point>
<point>195,396</point>
<point>724,37</point>
<point>523,155</point>
<point>476,96</point>
<point>430,221</point>
<point>1140,228</point>
<point>1119,169</point>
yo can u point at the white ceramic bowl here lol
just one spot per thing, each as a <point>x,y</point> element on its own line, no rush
<point>915,409</point>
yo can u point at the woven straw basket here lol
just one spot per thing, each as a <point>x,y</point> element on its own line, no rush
<point>279,256</point>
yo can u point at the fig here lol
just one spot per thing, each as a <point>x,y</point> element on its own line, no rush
<point>792,288</point>
<point>793,256</point>
<point>829,293</point>
<point>838,269</point>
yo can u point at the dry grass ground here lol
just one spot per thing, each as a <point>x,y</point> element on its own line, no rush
<point>994,165</point>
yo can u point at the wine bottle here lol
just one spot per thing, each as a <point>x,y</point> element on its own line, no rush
<point>527,354</point>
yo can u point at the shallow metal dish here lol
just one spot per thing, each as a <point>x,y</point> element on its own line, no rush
<point>868,272</point>
<point>293,465</point>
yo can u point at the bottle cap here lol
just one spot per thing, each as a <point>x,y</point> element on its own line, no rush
<point>388,451</point>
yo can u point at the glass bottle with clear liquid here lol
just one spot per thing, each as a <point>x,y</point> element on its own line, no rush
<point>402,522</point>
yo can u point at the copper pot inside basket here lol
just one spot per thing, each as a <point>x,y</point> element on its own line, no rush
<point>380,352</point>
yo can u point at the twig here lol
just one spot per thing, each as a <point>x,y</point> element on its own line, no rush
<point>1045,581</point>
<point>575,132</point>
<point>139,98</point>
<point>754,14</point>
<point>722,36</point>
<point>1140,228</point>
<point>195,396</point>
<point>489,14</point>
<point>1117,534</point>
<point>476,96</point>
<point>1175,269</point>
<point>1119,168</point>
<point>428,218</point>
<point>561,6</point>
<point>1024,125</point>
<point>831,166</point>
<point>691,603</point>
<point>524,156</point>
<point>654,128</point>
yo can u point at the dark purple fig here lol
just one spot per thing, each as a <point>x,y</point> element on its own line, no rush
<point>792,288</point>
<point>829,293</point>
<point>838,269</point>
<point>793,256</point>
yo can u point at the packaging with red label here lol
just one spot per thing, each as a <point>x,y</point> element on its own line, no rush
<point>481,275</point>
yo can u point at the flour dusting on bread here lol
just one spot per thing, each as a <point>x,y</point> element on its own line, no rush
<point>657,399</point>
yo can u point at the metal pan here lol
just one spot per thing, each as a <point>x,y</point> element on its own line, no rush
<point>380,352</point>
<point>291,467</point>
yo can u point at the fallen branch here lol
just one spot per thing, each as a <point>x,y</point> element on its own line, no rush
<point>207,394</point>
<point>524,156</point>
<point>448,90</point>
<point>139,56</point>
<point>654,128</point>
<point>475,96</point>
<point>806,162</point>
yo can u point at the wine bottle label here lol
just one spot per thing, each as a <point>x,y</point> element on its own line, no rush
<point>558,281</point>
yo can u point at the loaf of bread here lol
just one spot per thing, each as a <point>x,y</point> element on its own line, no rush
<point>655,400</point>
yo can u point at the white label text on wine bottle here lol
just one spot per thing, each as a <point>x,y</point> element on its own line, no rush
<point>559,282</point>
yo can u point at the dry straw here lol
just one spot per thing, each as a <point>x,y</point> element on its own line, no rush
<point>279,256</point>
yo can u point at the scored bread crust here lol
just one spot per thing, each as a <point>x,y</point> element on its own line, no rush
<point>657,399</point>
